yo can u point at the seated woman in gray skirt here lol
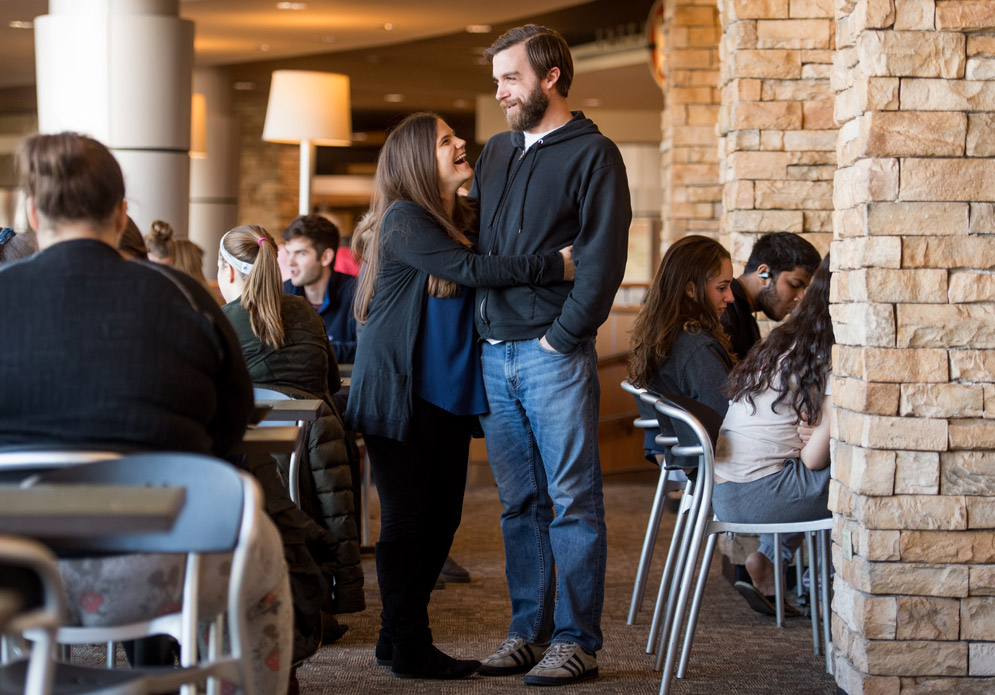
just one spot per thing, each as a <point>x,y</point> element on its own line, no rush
<point>772,457</point>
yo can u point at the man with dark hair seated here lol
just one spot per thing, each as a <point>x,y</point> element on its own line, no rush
<point>774,281</point>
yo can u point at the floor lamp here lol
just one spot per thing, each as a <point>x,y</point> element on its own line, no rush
<point>310,108</point>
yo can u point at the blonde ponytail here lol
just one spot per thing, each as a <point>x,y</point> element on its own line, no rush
<point>262,290</point>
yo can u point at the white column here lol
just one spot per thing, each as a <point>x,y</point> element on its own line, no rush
<point>214,179</point>
<point>120,71</point>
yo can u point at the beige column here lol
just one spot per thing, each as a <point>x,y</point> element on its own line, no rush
<point>914,386</point>
<point>690,170</point>
<point>776,120</point>
<point>119,71</point>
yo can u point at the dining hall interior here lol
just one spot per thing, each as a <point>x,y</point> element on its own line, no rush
<point>867,127</point>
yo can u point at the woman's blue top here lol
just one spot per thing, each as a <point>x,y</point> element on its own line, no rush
<point>447,357</point>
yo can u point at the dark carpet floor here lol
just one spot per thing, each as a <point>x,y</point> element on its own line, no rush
<point>736,650</point>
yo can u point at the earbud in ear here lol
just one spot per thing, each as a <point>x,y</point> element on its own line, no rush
<point>763,275</point>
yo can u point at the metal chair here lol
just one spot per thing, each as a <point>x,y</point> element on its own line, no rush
<point>32,592</point>
<point>646,421</point>
<point>695,438</point>
<point>221,513</point>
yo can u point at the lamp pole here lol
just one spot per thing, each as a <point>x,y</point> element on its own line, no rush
<point>307,173</point>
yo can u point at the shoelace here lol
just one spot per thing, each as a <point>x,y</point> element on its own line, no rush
<point>556,655</point>
<point>509,646</point>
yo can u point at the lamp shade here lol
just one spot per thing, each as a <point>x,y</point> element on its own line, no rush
<point>305,105</point>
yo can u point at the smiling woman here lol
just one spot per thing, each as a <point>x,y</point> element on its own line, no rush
<point>416,383</point>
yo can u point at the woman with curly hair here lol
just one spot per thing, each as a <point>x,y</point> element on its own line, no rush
<point>772,457</point>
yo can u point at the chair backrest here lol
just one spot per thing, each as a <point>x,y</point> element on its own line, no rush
<point>261,393</point>
<point>208,521</point>
<point>691,434</point>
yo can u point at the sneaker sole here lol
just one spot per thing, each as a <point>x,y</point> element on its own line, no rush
<point>553,680</point>
<point>384,662</point>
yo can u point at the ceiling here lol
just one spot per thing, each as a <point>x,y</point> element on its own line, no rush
<point>418,49</point>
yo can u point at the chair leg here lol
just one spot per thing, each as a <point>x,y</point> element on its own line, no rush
<point>649,542</point>
<point>827,613</point>
<point>696,527</point>
<point>778,581</point>
<point>674,561</point>
<point>812,587</point>
<point>214,638</point>
<point>111,655</point>
<point>699,592</point>
<point>799,572</point>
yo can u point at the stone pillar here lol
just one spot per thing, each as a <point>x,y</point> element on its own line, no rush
<point>692,192</point>
<point>776,120</point>
<point>914,385</point>
<point>119,71</point>
<point>214,179</point>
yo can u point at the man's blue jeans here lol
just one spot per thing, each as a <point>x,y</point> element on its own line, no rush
<point>542,442</point>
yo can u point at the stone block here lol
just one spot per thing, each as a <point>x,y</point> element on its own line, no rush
<point>969,473</point>
<point>758,9</point>
<point>741,35</point>
<point>685,174</point>
<point>912,54</point>
<point>981,134</point>
<point>947,95</point>
<point>770,63</point>
<point>866,397</point>
<point>867,252</point>
<point>948,179</point>
<point>942,400</point>
<point>968,287</point>
<point>917,219</point>
<point>977,618</point>
<point>810,8</point>
<point>818,140</point>
<point>965,15</point>
<point>813,173</point>
<point>972,365</point>
<point>973,252</point>
<point>981,656</point>
<point>875,617</point>
<point>816,71</point>
<point>771,140</point>
<point>918,512</point>
<point>794,33</point>
<point>793,195</point>
<point>980,512</point>
<point>913,658</point>
<point>742,90</point>
<point>743,140</point>
<point>691,95</point>
<point>866,181</point>
<point>948,547</point>
<point>940,325</point>
<point>891,366</point>
<point>693,136</point>
<point>894,286</point>
<point>738,195</point>
<point>946,686</point>
<point>814,55</point>
<point>864,471</point>
<point>819,224</point>
<point>880,432</point>
<point>926,618</point>
<point>849,223</point>
<point>778,115</point>
<point>757,165</point>
<point>879,93</point>
<point>972,434</point>
<point>914,15</point>
<point>915,579</point>
<point>864,324</point>
<point>765,221</point>
<point>912,134</point>
<point>980,45</point>
<point>817,115</point>
<point>982,218</point>
<point>982,580</point>
<point>980,69</point>
<point>794,90</point>
<point>917,473</point>
<point>690,59</point>
<point>706,36</point>
<point>694,15</point>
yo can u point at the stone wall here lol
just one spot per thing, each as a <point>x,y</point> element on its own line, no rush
<point>914,385</point>
<point>692,192</point>
<point>776,121</point>
<point>268,173</point>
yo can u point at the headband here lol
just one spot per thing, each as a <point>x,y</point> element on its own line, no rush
<point>241,266</point>
<point>6,234</point>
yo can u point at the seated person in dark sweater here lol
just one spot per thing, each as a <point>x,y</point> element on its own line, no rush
<point>311,242</point>
<point>678,345</point>
<point>777,272</point>
<point>101,350</point>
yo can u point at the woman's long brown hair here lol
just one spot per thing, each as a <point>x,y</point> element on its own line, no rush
<point>262,291</point>
<point>407,170</point>
<point>668,309</point>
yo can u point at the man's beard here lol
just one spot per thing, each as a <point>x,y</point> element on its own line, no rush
<point>766,301</point>
<point>530,112</point>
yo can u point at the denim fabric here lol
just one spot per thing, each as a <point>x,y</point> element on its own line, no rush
<point>542,442</point>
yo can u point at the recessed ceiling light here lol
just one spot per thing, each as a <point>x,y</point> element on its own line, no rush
<point>291,5</point>
<point>393,98</point>
<point>388,26</point>
<point>18,24</point>
<point>481,60</point>
<point>360,137</point>
<point>264,47</point>
<point>462,103</point>
<point>328,39</point>
<point>592,102</point>
<point>479,29</point>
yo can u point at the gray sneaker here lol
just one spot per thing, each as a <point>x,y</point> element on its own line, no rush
<point>562,664</point>
<point>514,656</point>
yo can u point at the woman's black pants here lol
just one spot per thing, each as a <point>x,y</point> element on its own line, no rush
<point>421,486</point>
